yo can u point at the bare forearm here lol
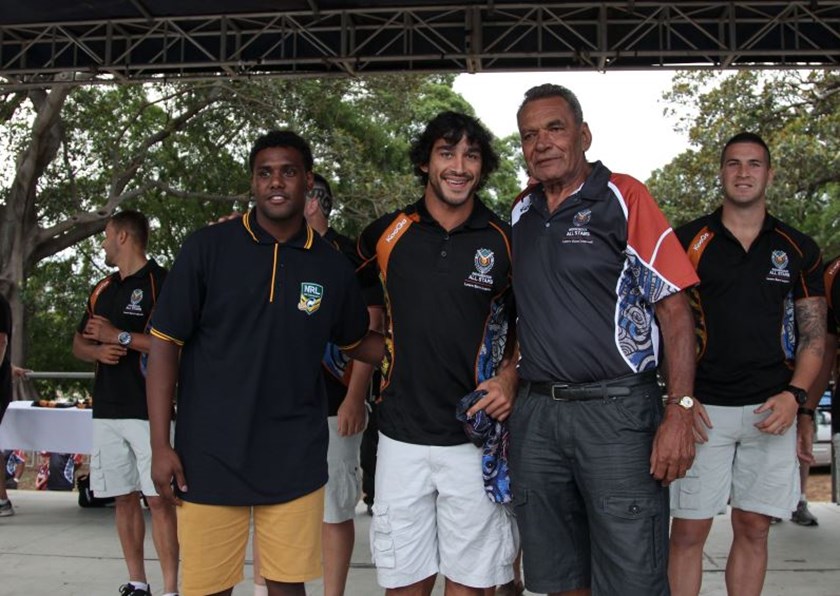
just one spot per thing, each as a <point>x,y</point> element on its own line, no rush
<point>162,374</point>
<point>810,349</point>
<point>677,324</point>
<point>84,349</point>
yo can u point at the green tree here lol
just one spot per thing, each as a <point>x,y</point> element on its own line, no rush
<point>178,152</point>
<point>797,113</point>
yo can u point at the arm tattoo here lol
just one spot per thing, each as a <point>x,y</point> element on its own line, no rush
<point>810,324</point>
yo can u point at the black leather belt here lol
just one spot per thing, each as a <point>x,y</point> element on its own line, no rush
<point>587,391</point>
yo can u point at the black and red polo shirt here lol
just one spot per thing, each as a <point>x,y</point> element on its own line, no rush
<point>253,317</point>
<point>832,294</point>
<point>119,390</point>
<point>447,309</point>
<point>744,306</point>
<point>587,277</point>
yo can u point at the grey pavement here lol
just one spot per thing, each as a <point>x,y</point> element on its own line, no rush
<point>52,546</point>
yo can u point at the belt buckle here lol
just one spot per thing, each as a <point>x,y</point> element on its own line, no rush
<point>560,386</point>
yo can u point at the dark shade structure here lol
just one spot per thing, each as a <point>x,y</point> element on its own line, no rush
<point>136,40</point>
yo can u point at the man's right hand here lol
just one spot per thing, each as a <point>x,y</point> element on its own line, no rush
<point>110,353</point>
<point>166,468</point>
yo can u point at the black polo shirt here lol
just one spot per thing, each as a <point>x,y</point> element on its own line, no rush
<point>447,308</point>
<point>119,390</point>
<point>832,294</point>
<point>253,317</point>
<point>337,365</point>
<point>6,365</point>
<point>744,306</point>
<point>587,277</point>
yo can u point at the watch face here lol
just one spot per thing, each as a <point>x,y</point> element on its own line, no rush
<point>687,402</point>
<point>124,338</point>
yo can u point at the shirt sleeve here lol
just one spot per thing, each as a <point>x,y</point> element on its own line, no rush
<point>367,270</point>
<point>178,307</point>
<point>353,320</point>
<point>664,268</point>
<point>5,317</point>
<point>811,277</point>
<point>832,293</point>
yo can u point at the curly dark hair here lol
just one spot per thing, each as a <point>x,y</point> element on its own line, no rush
<point>453,126</point>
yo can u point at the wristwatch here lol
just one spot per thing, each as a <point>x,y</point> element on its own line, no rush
<point>800,394</point>
<point>686,402</point>
<point>124,338</point>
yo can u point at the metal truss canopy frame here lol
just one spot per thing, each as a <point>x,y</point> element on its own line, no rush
<point>425,37</point>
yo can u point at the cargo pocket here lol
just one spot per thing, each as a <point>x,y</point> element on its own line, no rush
<point>382,549</point>
<point>635,531</point>
<point>97,478</point>
<point>688,493</point>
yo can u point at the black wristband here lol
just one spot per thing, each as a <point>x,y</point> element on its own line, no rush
<point>806,412</point>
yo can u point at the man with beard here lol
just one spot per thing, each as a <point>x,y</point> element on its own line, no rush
<point>113,334</point>
<point>242,325</point>
<point>444,264</point>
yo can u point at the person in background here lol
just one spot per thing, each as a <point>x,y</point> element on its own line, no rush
<point>806,418</point>
<point>113,335</point>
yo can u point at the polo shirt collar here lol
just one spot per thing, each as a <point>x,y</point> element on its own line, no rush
<point>142,272</point>
<point>304,237</point>
<point>479,217</point>
<point>592,188</point>
<point>716,222</point>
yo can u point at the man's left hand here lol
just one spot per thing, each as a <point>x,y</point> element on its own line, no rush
<point>782,408</point>
<point>673,445</point>
<point>352,416</point>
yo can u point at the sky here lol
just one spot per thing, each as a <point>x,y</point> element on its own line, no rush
<point>623,109</point>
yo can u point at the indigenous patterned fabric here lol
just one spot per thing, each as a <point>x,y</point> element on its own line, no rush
<point>493,437</point>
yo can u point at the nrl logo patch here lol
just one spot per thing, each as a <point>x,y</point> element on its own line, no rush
<point>136,296</point>
<point>310,297</point>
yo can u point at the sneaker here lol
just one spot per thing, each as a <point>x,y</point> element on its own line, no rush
<point>6,509</point>
<point>775,520</point>
<point>802,516</point>
<point>11,483</point>
<point>129,590</point>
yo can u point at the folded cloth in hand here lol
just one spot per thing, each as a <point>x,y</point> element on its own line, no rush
<point>493,438</point>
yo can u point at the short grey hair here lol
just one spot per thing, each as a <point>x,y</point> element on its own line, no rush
<point>550,90</point>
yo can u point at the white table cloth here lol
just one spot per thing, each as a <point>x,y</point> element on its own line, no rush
<point>61,430</point>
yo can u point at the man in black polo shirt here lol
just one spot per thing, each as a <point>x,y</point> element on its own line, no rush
<point>806,419</point>
<point>113,334</point>
<point>598,279</point>
<point>760,321</point>
<point>444,263</point>
<point>242,325</point>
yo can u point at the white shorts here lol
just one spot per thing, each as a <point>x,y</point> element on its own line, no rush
<point>431,515</point>
<point>344,487</point>
<point>121,461</point>
<point>752,470</point>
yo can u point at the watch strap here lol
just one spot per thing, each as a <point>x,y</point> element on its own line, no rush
<point>806,412</point>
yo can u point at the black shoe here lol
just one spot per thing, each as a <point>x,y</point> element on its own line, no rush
<point>129,590</point>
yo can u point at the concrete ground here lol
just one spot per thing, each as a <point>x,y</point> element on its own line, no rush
<point>51,546</point>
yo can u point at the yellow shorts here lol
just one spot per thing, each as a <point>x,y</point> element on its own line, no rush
<point>213,539</point>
